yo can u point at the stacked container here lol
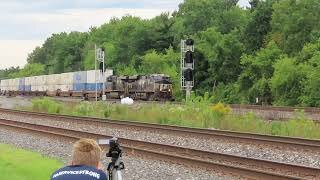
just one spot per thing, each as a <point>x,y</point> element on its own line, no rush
<point>93,77</point>
<point>22,84</point>
<point>66,82</point>
<point>73,81</point>
<point>4,85</point>
<point>53,82</point>
<point>79,81</point>
<point>13,84</point>
<point>28,84</point>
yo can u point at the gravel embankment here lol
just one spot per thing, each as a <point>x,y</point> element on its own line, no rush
<point>13,102</point>
<point>136,168</point>
<point>280,154</point>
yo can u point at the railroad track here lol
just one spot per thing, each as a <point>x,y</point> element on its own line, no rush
<point>277,108</point>
<point>286,142</point>
<point>236,165</point>
<point>313,110</point>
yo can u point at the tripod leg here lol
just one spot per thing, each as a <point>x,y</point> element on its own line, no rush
<point>116,175</point>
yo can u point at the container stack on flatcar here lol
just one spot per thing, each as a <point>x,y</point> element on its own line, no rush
<point>83,84</point>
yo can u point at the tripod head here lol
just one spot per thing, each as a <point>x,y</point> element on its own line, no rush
<point>115,152</point>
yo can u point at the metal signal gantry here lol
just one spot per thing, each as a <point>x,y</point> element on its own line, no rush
<point>100,58</point>
<point>187,66</point>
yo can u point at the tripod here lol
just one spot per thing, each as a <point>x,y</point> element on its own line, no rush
<point>116,164</point>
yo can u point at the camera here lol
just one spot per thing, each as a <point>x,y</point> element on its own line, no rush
<point>115,153</point>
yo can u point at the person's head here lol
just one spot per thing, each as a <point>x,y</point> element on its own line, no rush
<point>86,152</point>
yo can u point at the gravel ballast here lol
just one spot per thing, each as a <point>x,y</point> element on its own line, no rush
<point>273,153</point>
<point>136,168</point>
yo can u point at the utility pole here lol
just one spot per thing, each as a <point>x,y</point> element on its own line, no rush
<point>100,56</point>
<point>95,70</point>
<point>187,66</point>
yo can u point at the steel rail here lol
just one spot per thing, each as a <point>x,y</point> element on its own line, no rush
<point>290,142</point>
<point>236,165</point>
<point>276,108</point>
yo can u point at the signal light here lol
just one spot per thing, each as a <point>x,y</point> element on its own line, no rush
<point>101,66</point>
<point>188,75</point>
<point>189,42</point>
<point>189,57</point>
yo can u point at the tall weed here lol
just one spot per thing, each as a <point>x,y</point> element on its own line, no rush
<point>197,112</point>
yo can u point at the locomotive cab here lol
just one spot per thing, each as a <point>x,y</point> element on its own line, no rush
<point>163,87</point>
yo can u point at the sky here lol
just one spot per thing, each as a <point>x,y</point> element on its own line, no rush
<point>25,24</point>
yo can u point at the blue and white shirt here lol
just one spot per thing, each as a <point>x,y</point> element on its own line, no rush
<point>79,172</point>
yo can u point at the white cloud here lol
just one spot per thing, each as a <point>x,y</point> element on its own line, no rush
<point>25,24</point>
<point>81,19</point>
<point>39,26</point>
<point>15,52</point>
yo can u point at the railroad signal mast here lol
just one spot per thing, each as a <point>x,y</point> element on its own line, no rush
<point>187,66</point>
<point>100,59</point>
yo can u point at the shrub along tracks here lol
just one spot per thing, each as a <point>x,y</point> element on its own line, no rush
<point>247,167</point>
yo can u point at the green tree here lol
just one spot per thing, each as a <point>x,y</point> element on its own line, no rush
<point>259,25</point>
<point>287,82</point>
<point>257,71</point>
<point>5,73</point>
<point>198,15</point>
<point>218,59</point>
<point>310,57</point>
<point>295,23</point>
<point>60,52</point>
<point>29,70</point>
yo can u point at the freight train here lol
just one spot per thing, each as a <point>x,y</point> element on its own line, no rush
<point>85,84</point>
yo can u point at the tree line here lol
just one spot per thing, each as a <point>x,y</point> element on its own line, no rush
<point>270,51</point>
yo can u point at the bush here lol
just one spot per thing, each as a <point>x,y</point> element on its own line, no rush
<point>84,109</point>
<point>221,109</point>
<point>46,105</point>
<point>198,112</point>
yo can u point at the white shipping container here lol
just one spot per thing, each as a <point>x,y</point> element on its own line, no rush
<point>28,81</point>
<point>94,76</point>
<point>45,80</point>
<point>6,84</point>
<point>54,79</point>
<point>66,87</point>
<point>34,88</point>
<point>67,78</point>
<point>37,88</point>
<point>108,73</point>
<point>50,88</point>
<point>40,80</point>
<point>50,79</point>
<point>80,77</point>
<point>43,88</point>
<point>34,80</point>
<point>2,83</point>
<point>10,82</point>
<point>17,81</point>
<point>13,84</point>
<point>2,86</point>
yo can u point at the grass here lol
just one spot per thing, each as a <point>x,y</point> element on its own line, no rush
<point>198,113</point>
<point>18,164</point>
